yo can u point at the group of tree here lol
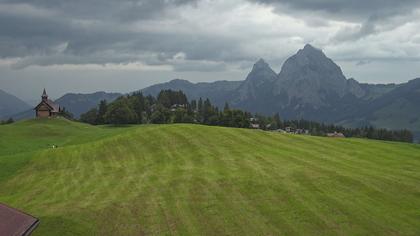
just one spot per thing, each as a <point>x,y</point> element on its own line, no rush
<point>173,107</point>
<point>168,107</point>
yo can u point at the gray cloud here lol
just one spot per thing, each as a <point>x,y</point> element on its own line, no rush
<point>349,9</point>
<point>101,32</point>
<point>155,32</point>
<point>118,45</point>
<point>126,10</point>
<point>371,14</point>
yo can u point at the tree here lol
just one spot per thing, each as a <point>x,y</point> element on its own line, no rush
<point>200,110</point>
<point>90,117</point>
<point>161,115</point>
<point>193,105</point>
<point>138,105</point>
<point>226,108</point>
<point>164,99</point>
<point>277,121</point>
<point>207,111</point>
<point>103,106</point>
<point>181,116</point>
<point>119,113</point>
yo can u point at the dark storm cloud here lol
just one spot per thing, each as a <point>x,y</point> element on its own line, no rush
<point>349,8</point>
<point>371,14</point>
<point>105,9</point>
<point>154,32</point>
<point>47,32</point>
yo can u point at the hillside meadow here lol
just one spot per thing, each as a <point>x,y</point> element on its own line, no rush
<point>187,179</point>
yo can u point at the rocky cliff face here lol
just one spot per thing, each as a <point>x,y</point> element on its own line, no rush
<point>311,78</point>
<point>310,85</point>
<point>257,84</point>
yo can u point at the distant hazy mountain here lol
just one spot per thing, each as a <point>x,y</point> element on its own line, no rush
<point>78,103</point>
<point>10,105</point>
<point>399,108</point>
<point>311,86</point>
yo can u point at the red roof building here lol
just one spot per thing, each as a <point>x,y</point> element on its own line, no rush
<point>16,223</point>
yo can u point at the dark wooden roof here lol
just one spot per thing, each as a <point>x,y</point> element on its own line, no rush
<point>53,106</point>
<point>16,223</point>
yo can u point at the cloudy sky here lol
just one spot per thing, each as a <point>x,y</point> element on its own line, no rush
<point>124,45</point>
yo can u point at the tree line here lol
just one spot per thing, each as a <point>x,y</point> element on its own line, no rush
<point>321,129</point>
<point>173,107</point>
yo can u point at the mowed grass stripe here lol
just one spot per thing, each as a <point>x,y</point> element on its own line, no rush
<point>261,198</point>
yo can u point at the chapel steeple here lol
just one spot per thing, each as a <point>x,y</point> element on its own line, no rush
<point>44,96</point>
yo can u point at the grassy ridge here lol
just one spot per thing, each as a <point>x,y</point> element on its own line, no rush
<point>199,180</point>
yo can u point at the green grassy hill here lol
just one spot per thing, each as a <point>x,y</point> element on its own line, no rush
<point>200,180</point>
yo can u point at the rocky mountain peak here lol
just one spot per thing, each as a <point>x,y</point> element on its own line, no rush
<point>311,77</point>
<point>261,71</point>
<point>310,55</point>
<point>311,62</point>
<point>261,64</point>
<point>308,47</point>
<point>258,81</point>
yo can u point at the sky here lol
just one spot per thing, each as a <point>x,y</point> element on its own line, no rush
<point>125,45</point>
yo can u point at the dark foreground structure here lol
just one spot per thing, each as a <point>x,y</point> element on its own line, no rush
<point>16,223</point>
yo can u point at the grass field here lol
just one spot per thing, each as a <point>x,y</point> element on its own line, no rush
<point>200,180</point>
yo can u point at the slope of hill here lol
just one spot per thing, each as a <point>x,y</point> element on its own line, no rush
<point>10,105</point>
<point>200,180</point>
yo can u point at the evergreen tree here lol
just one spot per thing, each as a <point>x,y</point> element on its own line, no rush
<point>138,105</point>
<point>103,106</point>
<point>226,108</point>
<point>277,121</point>
<point>193,105</point>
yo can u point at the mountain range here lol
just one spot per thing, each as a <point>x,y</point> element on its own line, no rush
<point>309,86</point>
